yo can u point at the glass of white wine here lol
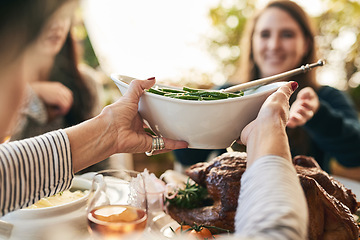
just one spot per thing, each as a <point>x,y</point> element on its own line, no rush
<point>117,206</point>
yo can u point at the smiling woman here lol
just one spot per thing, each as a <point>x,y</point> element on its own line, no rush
<point>323,122</point>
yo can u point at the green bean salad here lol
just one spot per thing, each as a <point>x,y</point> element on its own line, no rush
<point>194,94</point>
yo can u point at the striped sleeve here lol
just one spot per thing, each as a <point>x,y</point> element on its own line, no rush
<point>34,168</point>
<point>271,204</point>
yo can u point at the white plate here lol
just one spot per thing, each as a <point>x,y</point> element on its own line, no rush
<point>36,223</point>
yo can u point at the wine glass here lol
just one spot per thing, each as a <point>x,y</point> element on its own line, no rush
<point>117,206</point>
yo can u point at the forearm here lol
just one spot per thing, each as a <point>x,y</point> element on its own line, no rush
<point>91,141</point>
<point>271,203</point>
<point>268,139</point>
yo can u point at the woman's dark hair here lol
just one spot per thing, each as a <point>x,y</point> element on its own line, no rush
<point>66,71</point>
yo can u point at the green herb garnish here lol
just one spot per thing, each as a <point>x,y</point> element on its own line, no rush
<point>192,196</point>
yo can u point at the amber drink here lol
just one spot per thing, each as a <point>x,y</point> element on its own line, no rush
<point>118,206</point>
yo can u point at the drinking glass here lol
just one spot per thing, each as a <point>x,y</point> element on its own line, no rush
<point>117,206</point>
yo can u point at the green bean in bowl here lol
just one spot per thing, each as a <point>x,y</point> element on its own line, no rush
<point>193,94</point>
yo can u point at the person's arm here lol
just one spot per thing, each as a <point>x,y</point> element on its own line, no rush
<point>117,129</point>
<point>34,168</point>
<point>55,95</point>
<point>272,204</point>
<point>266,135</point>
<point>42,166</point>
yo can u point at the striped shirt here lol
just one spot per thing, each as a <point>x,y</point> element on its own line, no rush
<point>272,204</point>
<point>34,168</point>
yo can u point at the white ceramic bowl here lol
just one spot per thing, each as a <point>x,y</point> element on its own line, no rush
<point>203,124</point>
<point>43,223</point>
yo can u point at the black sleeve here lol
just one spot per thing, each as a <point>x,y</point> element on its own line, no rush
<point>335,128</point>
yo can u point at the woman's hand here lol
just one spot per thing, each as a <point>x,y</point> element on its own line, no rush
<point>118,129</point>
<point>55,95</point>
<point>127,124</point>
<point>303,109</point>
<point>266,134</point>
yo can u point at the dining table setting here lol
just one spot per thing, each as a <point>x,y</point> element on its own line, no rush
<point>159,210</point>
<point>202,201</point>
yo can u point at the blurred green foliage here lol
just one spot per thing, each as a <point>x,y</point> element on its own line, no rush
<point>79,31</point>
<point>338,38</point>
<point>89,54</point>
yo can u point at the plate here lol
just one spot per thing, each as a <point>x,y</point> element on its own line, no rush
<point>43,223</point>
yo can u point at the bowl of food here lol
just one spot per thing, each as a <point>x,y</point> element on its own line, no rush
<point>203,123</point>
<point>64,212</point>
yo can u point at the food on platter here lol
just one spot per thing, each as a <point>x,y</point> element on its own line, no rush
<point>191,196</point>
<point>331,204</point>
<point>58,199</point>
<point>221,178</point>
<point>193,94</point>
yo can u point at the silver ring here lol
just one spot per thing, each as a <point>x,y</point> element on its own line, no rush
<point>157,144</point>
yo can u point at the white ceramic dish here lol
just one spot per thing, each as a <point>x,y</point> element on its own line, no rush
<point>203,124</point>
<point>43,223</point>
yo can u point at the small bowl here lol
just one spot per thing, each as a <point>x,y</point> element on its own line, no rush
<point>38,223</point>
<point>212,124</point>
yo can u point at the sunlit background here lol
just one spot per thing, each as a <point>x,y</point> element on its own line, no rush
<point>189,42</point>
<point>196,43</point>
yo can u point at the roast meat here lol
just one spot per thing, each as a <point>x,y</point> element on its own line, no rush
<point>330,203</point>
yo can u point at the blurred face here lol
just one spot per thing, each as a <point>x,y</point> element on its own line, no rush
<point>54,33</point>
<point>278,42</point>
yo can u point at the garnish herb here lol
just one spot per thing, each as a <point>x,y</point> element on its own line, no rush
<point>191,196</point>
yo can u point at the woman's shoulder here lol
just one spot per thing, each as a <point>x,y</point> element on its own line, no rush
<point>328,92</point>
<point>336,98</point>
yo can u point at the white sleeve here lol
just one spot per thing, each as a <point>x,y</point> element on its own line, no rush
<point>272,203</point>
<point>34,168</point>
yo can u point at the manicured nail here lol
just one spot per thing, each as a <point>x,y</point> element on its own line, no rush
<point>294,85</point>
<point>152,78</point>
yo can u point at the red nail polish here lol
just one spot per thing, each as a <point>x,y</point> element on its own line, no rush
<point>152,78</point>
<point>294,85</point>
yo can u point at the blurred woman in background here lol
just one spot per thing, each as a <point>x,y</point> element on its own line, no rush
<point>60,95</point>
<point>323,121</point>
<point>42,166</point>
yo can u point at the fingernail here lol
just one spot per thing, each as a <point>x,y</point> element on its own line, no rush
<point>152,78</point>
<point>294,85</point>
